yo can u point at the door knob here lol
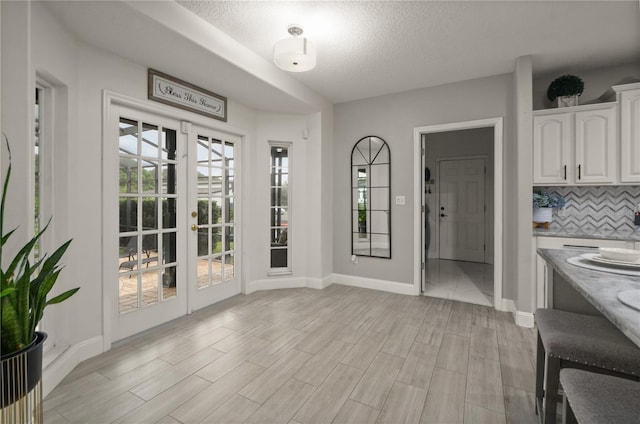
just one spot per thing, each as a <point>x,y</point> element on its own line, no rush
<point>194,227</point>
<point>441,208</point>
<point>194,214</point>
<point>442,215</point>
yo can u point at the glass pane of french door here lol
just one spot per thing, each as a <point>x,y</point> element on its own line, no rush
<point>215,193</point>
<point>147,214</point>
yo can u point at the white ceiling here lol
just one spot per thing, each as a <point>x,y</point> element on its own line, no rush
<point>370,48</point>
<point>365,48</point>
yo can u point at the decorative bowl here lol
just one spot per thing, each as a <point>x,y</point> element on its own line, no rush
<point>619,254</point>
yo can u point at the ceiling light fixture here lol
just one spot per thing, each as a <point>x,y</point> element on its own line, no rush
<point>296,53</point>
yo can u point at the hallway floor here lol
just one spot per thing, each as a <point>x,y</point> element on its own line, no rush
<point>338,355</point>
<point>469,282</point>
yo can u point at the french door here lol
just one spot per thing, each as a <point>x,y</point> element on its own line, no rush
<point>212,204</point>
<point>169,219</point>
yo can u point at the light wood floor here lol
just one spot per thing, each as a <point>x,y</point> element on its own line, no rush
<point>338,355</point>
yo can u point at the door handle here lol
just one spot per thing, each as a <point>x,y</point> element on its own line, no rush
<point>442,215</point>
<point>194,227</point>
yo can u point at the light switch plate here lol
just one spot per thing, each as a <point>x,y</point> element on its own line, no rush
<point>400,200</point>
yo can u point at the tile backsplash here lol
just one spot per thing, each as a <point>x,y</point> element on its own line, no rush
<point>590,208</point>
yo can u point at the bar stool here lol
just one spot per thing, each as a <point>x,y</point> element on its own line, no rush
<point>569,340</point>
<point>591,398</point>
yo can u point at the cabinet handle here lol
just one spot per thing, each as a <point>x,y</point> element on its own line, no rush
<point>579,171</point>
<point>565,172</point>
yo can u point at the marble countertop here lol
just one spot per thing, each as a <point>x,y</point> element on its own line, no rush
<point>600,288</point>
<point>625,235</point>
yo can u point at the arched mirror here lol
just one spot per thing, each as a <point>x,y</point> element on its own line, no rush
<point>371,198</point>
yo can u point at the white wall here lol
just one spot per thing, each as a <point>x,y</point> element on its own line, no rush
<point>304,200</point>
<point>463,143</point>
<point>393,117</point>
<point>17,117</point>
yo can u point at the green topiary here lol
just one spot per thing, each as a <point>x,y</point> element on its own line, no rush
<point>566,85</point>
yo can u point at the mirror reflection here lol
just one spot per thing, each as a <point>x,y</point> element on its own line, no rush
<point>371,198</point>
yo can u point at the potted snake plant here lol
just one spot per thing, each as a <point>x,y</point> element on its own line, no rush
<point>24,287</point>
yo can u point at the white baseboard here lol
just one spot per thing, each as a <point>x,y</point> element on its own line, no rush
<point>318,283</point>
<point>288,283</point>
<point>68,359</point>
<point>522,319</point>
<point>375,284</point>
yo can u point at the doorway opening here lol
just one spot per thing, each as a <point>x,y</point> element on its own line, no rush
<point>459,182</point>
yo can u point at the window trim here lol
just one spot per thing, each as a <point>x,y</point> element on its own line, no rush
<point>288,270</point>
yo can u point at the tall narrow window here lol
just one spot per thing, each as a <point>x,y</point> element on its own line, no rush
<point>279,210</point>
<point>37,167</point>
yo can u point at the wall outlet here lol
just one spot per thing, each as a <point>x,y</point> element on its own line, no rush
<point>400,200</point>
<point>562,212</point>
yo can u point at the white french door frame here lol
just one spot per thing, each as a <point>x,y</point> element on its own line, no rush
<point>110,100</point>
<point>418,193</point>
<point>438,192</point>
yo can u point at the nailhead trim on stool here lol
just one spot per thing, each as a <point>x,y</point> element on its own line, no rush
<point>569,340</point>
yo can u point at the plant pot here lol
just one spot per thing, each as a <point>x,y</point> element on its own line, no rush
<point>22,372</point>
<point>566,101</point>
<point>542,215</point>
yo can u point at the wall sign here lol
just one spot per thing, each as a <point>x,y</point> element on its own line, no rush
<point>174,92</point>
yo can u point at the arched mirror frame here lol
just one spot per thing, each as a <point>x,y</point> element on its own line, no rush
<point>380,159</point>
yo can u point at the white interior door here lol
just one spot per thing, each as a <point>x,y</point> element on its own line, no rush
<point>145,248</point>
<point>462,209</point>
<point>213,222</point>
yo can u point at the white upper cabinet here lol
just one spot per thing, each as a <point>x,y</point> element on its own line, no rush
<point>552,136</point>
<point>575,146</point>
<point>629,101</point>
<point>595,146</point>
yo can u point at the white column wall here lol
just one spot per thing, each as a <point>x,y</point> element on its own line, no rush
<point>524,138</point>
<point>305,201</point>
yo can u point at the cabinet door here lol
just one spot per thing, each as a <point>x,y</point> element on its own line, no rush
<point>630,136</point>
<point>595,146</point>
<point>551,148</point>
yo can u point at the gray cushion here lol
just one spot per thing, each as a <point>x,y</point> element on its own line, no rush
<point>586,339</point>
<point>601,399</point>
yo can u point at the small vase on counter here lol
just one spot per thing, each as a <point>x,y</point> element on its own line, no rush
<point>542,216</point>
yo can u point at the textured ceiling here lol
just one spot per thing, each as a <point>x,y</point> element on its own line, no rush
<point>370,48</point>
